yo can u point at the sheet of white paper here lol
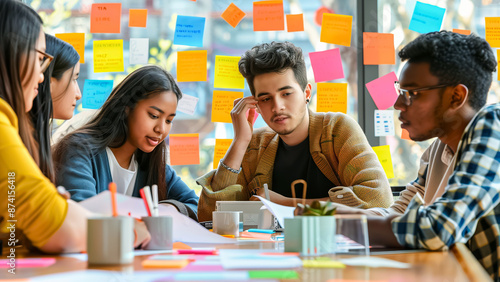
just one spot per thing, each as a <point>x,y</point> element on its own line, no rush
<point>187,104</point>
<point>252,259</point>
<point>384,122</point>
<point>371,261</point>
<point>279,211</point>
<point>139,51</point>
<point>83,257</point>
<point>185,229</point>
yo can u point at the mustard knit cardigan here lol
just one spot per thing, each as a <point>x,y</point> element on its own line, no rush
<point>339,148</point>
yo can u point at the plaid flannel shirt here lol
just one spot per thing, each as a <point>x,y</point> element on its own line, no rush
<point>469,210</point>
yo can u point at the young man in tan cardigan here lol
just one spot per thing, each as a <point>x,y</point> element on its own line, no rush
<point>327,150</point>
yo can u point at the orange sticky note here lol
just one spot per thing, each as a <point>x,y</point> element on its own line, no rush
<point>222,104</point>
<point>156,263</point>
<point>332,97</point>
<point>184,149</point>
<point>405,134</point>
<point>138,17</point>
<point>77,40</point>
<point>181,246</point>
<point>462,31</point>
<point>268,15</point>
<point>221,147</point>
<point>384,156</point>
<point>227,74</point>
<point>492,26</point>
<point>233,15</point>
<point>108,56</point>
<point>105,18</point>
<point>295,22</point>
<point>336,29</point>
<point>378,48</point>
<point>192,65</point>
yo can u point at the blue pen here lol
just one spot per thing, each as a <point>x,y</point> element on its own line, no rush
<point>267,231</point>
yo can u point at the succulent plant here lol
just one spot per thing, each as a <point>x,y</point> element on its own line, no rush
<point>318,208</point>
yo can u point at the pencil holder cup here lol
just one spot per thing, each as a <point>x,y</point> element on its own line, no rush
<point>160,228</point>
<point>110,240</point>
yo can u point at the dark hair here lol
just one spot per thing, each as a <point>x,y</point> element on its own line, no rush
<point>19,31</point>
<point>273,57</point>
<point>65,58</point>
<point>109,128</point>
<point>455,59</point>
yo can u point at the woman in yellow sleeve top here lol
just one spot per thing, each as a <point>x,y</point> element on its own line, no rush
<point>29,202</point>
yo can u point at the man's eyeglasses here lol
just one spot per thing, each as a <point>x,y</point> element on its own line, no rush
<point>410,94</point>
<point>44,64</point>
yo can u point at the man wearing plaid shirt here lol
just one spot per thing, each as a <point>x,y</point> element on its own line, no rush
<point>442,93</point>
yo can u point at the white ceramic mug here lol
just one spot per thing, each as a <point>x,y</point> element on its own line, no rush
<point>110,240</point>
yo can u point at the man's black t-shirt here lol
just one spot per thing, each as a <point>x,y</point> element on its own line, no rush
<point>295,162</point>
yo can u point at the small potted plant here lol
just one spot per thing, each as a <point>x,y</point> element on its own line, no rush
<point>313,231</point>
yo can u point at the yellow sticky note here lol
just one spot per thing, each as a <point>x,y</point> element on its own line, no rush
<point>184,149</point>
<point>498,64</point>
<point>154,263</point>
<point>492,27</point>
<point>336,29</point>
<point>77,40</point>
<point>192,65</point>
<point>221,147</point>
<point>222,104</point>
<point>322,264</point>
<point>332,97</point>
<point>108,56</point>
<point>227,74</point>
<point>384,156</point>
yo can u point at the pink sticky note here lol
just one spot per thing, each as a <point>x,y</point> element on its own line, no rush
<point>382,91</point>
<point>29,262</point>
<point>255,116</point>
<point>327,65</point>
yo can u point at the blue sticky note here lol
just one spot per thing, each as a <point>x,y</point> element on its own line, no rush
<point>426,18</point>
<point>189,31</point>
<point>95,93</point>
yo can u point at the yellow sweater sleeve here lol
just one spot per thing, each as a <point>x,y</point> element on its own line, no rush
<point>28,200</point>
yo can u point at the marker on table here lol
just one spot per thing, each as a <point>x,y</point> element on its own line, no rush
<point>267,231</point>
<point>266,192</point>
<point>155,199</point>
<point>145,199</point>
<point>112,189</point>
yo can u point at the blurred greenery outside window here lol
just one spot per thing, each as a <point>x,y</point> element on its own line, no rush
<point>71,16</point>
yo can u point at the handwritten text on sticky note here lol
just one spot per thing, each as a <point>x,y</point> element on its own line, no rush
<point>108,56</point>
<point>187,104</point>
<point>192,65</point>
<point>233,15</point>
<point>332,97</point>
<point>95,93</point>
<point>268,15</point>
<point>221,147</point>
<point>384,156</point>
<point>336,29</point>
<point>189,31</point>
<point>77,40</point>
<point>378,48</point>
<point>492,26</point>
<point>384,122</point>
<point>184,149</point>
<point>139,51</point>
<point>222,104</point>
<point>227,74</point>
<point>105,18</point>
<point>382,91</point>
<point>426,18</point>
<point>326,65</point>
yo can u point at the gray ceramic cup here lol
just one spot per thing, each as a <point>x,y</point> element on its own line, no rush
<point>226,222</point>
<point>110,240</point>
<point>160,228</point>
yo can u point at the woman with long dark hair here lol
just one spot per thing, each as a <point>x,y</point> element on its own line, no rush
<point>29,202</point>
<point>57,96</point>
<point>124,143</point>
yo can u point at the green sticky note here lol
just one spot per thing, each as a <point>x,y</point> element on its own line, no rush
<point>273,274</point>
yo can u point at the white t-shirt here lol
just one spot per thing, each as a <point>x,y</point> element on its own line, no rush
<point>124,178</point>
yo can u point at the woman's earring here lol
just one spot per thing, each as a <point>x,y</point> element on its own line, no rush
<point>307,100</point>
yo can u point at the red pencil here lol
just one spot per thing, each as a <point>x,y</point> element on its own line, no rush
<point>112,189</point>
<point>143,196</point>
